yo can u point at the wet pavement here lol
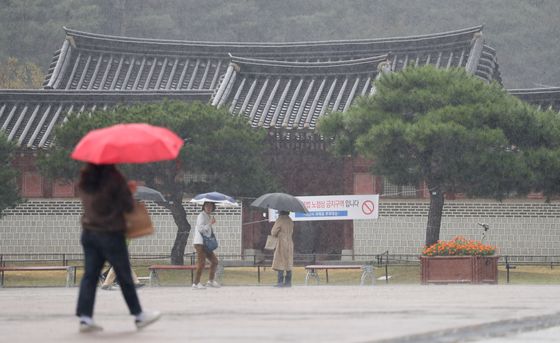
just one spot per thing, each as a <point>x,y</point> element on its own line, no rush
<point>383,313</point>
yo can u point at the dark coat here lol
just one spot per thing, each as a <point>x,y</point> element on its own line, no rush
<point>105,206</point>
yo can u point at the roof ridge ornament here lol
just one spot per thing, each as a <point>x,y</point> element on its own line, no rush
<point>71,40</point>
<point>476,35</point>
<point>384,67</point>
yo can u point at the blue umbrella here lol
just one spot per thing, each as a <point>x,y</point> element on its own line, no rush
<point>215,197</point>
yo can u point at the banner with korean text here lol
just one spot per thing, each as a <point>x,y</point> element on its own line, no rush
<point>335,207</point>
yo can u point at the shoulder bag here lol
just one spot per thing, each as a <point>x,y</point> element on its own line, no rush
<point>271,242</point>
<point>138,222</point>
<point>210,242</point>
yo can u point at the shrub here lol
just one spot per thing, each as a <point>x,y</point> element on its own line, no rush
<point>459,246</point>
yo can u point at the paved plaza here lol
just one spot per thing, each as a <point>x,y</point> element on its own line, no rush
<point>381,313</point>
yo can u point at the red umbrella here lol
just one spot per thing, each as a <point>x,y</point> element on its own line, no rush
<point>128,143</point>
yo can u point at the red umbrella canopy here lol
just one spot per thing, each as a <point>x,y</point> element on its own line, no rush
<point>128,143</point>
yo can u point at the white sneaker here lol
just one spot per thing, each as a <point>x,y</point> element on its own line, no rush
<point>213,283</point>
<point>147,318</point>
<point>198,286</point>
<point>86,328</point>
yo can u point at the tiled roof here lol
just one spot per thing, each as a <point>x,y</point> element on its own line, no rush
<point>28,117</point>
<point>90,61</point>
<point>293,95</point>
<point>545,98</point>
<point>285,87</point>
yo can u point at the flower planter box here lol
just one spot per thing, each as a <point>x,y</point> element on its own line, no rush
<point>459,269</point>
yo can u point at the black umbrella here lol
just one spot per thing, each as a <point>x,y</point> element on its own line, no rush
<point>147,193</point>
<point>280,202</point>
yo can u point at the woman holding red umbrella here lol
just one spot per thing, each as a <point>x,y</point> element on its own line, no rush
<point>106,197</point>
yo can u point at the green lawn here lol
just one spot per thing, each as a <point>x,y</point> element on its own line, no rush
<point>238,276</point>
<point>538,275</point>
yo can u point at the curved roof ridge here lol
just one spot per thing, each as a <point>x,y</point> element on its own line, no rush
<point>544,97</point>
<point>322,64</point>
<point>274,67</point>
<point>72,32</point>
<point>551,89</point>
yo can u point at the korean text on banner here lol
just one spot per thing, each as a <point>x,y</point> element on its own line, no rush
<point>335,207</point>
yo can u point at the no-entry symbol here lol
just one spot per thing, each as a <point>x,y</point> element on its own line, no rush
<point>336,207</point>
<point>368,207</point>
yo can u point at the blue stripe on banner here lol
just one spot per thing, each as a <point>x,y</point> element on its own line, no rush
<point>321,214</point>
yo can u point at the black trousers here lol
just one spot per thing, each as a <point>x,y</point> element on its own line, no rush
<point>98,248</point>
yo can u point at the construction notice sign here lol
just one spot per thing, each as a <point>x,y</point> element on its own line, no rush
<point>335,207</point>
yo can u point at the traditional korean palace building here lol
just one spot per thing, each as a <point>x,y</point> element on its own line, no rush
<point>282,87</point>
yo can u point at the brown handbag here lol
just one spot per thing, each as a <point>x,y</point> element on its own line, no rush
<point>138,222</point>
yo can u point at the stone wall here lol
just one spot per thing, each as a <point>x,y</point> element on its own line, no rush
<point>53,226</point>
<point>516,228</point>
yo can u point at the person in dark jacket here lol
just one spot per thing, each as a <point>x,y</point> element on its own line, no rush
<point>106,197</point>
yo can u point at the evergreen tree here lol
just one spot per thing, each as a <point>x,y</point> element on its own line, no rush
<point>451,131</point>
<point>221,152</point>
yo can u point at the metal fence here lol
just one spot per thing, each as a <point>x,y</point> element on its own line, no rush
<point>382,261</point>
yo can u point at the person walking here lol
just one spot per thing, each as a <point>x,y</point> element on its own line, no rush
<point>111,275</point>
<point>106,197</point>
<point>204,223</point>
<point>283,260</point>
